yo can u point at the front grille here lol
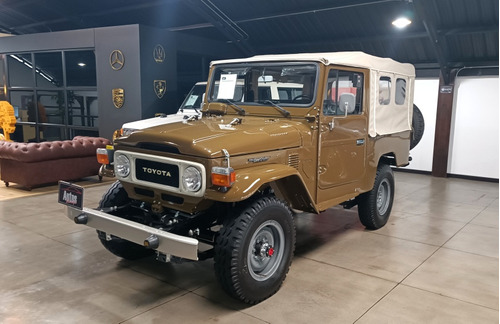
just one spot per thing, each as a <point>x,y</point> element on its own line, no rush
<point>293,160</point>
<point>157,172</point>
<point>154,172</point>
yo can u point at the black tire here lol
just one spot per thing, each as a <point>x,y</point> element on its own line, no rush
<point>253,251</point>
<point>117,196</point>
<point>418,126</point>
<point>374,206</point>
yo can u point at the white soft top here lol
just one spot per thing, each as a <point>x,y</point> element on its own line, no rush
<point>385,118</point>
<point>356,59</point>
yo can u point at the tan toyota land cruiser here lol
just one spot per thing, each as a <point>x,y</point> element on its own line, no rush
<point>279,134</point>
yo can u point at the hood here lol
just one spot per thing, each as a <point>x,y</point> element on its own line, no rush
<point>208,136</point>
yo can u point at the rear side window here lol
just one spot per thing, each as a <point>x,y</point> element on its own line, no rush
<point>384,90</point>
<point>400,91</point>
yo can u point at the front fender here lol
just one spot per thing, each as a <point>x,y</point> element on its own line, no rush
<point>249,180</point>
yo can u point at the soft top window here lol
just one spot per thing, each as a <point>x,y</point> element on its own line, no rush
<point>400,91</point>
<point>384,90</point>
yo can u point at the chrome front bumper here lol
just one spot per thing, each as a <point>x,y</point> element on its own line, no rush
<point>169,244</point>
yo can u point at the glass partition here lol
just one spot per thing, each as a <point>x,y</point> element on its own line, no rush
<point>49,72</point>
<point>20,68</point>
<point>53,106</point>
<point>80,68</point>
<point>54,94</point>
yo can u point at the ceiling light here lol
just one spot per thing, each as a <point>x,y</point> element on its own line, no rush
<point>401,22</point>
<point>81,64</point>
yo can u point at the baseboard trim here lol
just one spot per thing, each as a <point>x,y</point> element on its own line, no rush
<point>449,175</point>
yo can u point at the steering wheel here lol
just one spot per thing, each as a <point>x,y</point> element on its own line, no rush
<point>302,97</point>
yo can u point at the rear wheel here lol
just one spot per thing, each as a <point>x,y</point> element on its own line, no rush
<point>117,196</point>
<point>374,206</point>
<point>254,251</point>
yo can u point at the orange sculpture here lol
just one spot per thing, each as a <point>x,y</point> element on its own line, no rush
<point>7,119</point>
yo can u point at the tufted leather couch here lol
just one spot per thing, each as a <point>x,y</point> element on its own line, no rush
<point>34,164</point>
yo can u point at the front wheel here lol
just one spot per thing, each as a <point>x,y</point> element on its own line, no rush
<point>254,251</point>
<point>374,206</point>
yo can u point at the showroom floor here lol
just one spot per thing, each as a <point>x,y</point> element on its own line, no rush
<point>436,261</point>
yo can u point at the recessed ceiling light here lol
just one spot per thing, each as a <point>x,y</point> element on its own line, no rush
<point>401,22</point>
<point>81,64</point>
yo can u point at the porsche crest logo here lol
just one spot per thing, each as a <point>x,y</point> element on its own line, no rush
<point>159,53</point>
<point>160,87</point>
<point>118,97</point>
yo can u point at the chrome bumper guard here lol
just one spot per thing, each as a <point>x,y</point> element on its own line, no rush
<point>168,243</point>
<point>105,171</point>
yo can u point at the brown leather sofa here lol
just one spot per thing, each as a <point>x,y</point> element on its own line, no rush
<point>34,164</point>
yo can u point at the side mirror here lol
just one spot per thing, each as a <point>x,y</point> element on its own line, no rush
<point>347,103</point>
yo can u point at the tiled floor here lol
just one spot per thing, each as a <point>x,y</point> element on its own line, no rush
<point>436,261</point>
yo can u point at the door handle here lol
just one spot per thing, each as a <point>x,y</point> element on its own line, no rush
<point>331,125</point>
<point>360,141</point>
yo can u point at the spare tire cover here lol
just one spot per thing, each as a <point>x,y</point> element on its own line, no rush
<point>418,125</point>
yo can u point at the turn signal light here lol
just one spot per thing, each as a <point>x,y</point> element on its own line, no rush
<point>102,156</point>
<point>117,134</point>
<point>223,177</point>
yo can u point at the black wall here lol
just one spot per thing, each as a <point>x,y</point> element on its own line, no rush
<point>140,70</point>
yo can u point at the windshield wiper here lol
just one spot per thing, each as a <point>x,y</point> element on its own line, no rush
<point>240,110</point>
<point>285,112</point>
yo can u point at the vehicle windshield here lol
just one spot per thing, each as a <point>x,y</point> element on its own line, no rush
<point>289,84</point>
<point>194,98</point>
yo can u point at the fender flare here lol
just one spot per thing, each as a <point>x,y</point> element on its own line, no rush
<point>249,180</point>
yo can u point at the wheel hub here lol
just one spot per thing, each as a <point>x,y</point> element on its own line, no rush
<point>383,196</point>
<point>264,249</point>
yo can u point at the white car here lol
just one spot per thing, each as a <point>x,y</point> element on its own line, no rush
<point>189,108</point>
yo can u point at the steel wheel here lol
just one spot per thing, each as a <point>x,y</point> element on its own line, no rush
<point>266,252</point>
<point>383,194</point>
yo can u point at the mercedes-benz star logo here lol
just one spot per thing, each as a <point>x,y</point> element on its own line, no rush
<point>116,60</point>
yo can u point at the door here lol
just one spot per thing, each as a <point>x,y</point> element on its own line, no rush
<point>343,134</point>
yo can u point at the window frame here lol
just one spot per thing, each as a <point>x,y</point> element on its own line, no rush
<point>359,95</point>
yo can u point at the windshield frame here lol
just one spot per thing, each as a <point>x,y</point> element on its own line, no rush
<point>295,108</point>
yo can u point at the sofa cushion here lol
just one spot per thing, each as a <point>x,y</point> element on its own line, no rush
<point>80,146</point>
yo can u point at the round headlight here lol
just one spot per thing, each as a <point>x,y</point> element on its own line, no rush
<point>122,166</point>
<point>192,179</point>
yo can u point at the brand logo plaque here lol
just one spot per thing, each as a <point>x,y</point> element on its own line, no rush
<point>160,87</point>
<point>118,97</point>
<point>116,60</point>
<point>159,53</point>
